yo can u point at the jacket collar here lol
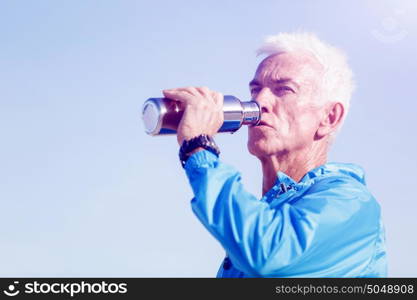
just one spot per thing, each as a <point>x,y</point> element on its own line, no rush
<point>285,182</point>
<point>337,169</point>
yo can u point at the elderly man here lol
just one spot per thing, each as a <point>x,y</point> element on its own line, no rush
<point>315,219</point>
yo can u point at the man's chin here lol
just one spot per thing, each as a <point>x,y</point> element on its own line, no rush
<point>261,146</point>
<point>257,147</point>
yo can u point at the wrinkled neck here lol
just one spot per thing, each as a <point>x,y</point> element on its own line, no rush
<point>295,165</point>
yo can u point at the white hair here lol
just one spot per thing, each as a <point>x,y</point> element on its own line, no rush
<point>338,84</point>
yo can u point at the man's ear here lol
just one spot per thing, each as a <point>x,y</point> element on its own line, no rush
<point>332,118</point>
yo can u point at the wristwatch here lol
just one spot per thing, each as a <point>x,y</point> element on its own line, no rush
<point>203,141</point>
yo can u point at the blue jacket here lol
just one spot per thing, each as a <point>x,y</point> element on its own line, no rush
<point>326,225</point>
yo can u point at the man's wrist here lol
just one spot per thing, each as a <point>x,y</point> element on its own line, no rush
<point>195,150</point>
<point>201,142</point>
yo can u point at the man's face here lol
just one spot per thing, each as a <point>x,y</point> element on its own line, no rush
<point>288,88</point>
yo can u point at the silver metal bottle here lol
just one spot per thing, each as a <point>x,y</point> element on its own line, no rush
<point>162,116</point>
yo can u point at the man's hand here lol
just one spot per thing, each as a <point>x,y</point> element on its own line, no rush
<point>203,111</point>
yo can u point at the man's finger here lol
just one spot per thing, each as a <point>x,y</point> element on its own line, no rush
<point>217,98</point>
<point>178,95</point>
<point>204,91</point>
<point>191,90</point>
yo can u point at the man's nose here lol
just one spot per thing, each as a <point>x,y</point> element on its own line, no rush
<point>264,99</point>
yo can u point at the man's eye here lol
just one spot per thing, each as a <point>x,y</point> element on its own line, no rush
<point>283,89</point>
<point>254,90</point>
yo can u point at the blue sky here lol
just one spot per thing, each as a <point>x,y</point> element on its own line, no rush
<point>85,192</point>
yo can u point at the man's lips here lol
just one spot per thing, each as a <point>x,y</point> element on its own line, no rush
<point>263,123</point>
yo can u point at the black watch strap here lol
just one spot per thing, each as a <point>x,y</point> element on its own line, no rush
<point>203,141</point>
